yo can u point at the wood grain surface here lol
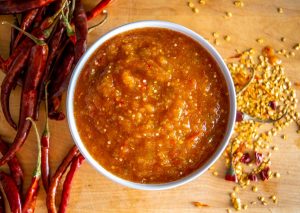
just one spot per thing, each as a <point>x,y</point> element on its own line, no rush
<point>92,192</point>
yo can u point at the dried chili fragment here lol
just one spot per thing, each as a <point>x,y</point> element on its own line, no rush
<point>239,116</point>
<point>252,177</point>
<point>230,174</point>
<point>264,173</point>
<point>273,105</point>
<point>245,158</point>
<point>258,158</point>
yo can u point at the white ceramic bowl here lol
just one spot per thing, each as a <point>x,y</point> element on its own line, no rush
<point>132,26</point>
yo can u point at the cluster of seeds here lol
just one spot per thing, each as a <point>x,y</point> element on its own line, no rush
<point>269,96</point>
<point>193,7</point>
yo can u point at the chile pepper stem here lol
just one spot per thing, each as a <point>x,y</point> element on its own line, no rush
<point>72,10</point>
<point>32,37</point>
<point>105,13</point>
<point>37,171</point>
<point>69,28</point>
<point>46,130</point>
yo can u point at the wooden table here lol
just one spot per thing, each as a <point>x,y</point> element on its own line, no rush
<point>92,192</point>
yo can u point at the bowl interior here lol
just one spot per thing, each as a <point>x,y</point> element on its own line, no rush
<point>145,24</point>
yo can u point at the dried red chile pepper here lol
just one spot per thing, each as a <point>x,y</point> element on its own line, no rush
<point>11,7</point>
<point>11,191</point>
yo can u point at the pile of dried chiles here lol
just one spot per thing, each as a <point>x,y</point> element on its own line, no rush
<point>47,39</point>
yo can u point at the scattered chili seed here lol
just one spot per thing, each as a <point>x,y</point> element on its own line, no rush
<point>232,194</point>
<point>245,206</point>
<point>203,2</point>
<point>215,173</point>
<point>283,39</point>
<point>227,38</point>
<point>228,14</point>
<point>277,175</point>
<point>195,10</point>
<point>215,35</point>
<point>191,4</point>
<point>291,53</point>
<point>261,198</point>
<point>279,10</point>
<point>296,46</point>
<point>260,40</point>
<point>254,188</point>
<point>236,203</point>
<point>238,3</point>
<point>216,42</point>
<point>236,188</point>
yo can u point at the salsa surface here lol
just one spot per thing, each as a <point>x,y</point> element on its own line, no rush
<point>151,105</point>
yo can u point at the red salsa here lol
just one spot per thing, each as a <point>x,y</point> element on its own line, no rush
<point>151,105</point>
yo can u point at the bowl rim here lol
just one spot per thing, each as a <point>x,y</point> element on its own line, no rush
<point>153,24</point>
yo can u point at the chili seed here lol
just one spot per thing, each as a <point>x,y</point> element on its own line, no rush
<point>238,3</point>
<point>297,46</point>
<point>195,10</point>
<point>260,40</point>
<point>227,38</point>
<point>254,188</point>
<point>279,10</point>
<point>215,173</point>
<point>191,4</point>
<point>202,2</point>
<point>228,14</point>
<point>215,34</point>
<point>277,175</point>
<point>245,207</point>
<point>283,39</point>
<point>236,203</point>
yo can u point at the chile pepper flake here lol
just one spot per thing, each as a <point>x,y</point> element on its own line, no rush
<point>252,177</point>
<point>230,174</point>
<point>273,105</point>
<point>239,116</point>
<point>264,174</point>
<point>245,158</point>
<point>258,158</point>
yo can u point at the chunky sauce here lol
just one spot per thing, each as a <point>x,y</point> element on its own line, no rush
<point>151,105</point>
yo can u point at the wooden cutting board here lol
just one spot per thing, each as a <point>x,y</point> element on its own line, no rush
<point>91,192</point>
